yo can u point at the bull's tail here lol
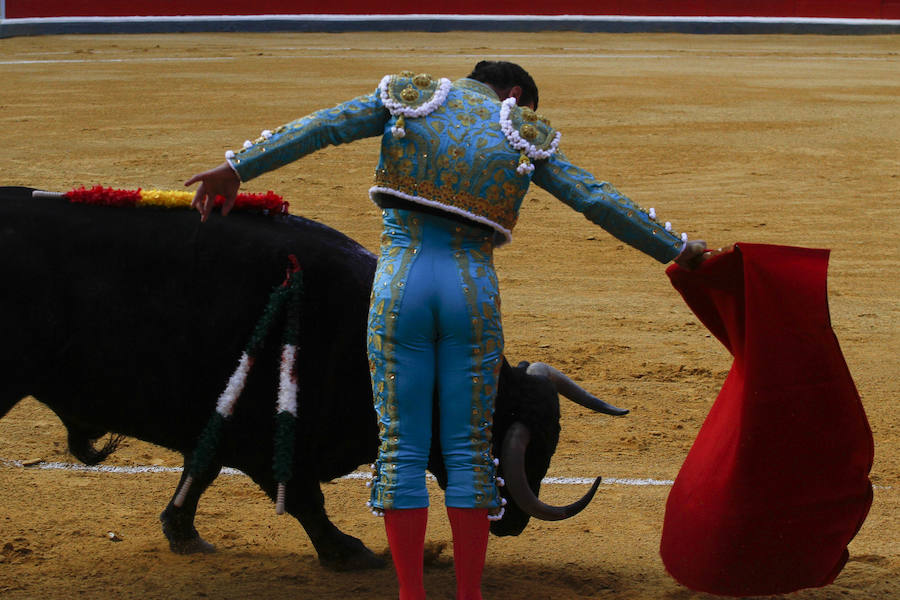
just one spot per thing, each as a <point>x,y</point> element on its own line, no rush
<point>81,445</point>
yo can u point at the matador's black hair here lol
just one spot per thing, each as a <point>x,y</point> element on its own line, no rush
<point>504,75</point>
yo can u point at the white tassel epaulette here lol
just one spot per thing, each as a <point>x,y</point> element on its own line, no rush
<point>520,139</point>
<point>408,103</point>
<point>399,130</point>
<point>525,165</point>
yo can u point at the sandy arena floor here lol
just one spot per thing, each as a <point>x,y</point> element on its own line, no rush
<point>772,139</point>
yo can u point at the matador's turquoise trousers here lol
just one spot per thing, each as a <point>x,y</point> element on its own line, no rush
<point>434,329</point>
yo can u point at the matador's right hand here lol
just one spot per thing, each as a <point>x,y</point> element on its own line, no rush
<point>221,181</point>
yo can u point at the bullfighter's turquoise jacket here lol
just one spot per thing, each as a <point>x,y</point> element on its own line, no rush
<point>455,147</point>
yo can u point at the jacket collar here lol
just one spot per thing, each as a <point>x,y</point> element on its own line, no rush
<point>477,87</point>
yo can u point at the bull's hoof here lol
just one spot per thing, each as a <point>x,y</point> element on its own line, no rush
<point>183,538</point>
<point>195,545</point>
<point>347,553</point>
<point>356,562</point>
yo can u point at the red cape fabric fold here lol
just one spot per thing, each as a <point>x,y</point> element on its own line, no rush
<point>777,482</point>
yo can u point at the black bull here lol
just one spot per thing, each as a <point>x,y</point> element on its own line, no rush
<point>132,320</point>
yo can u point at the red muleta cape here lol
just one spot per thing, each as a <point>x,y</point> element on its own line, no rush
<point>777,481</point>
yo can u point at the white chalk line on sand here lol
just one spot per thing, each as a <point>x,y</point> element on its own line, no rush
<point>140,469</point>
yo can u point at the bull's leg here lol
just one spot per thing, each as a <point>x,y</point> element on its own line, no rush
<point>178,521</point>
<point>337,550</point>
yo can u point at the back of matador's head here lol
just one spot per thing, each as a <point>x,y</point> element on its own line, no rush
<point>502,75</point>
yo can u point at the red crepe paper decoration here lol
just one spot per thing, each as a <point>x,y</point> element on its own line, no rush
<point>101,196</point>
<point>776,484</point>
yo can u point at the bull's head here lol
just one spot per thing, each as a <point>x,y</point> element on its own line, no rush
<point>525,434</point>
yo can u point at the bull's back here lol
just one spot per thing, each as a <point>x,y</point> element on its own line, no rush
<point>132,319</point>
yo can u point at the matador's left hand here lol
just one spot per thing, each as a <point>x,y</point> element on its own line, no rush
<point>695,259</point>
<point>692,255</point>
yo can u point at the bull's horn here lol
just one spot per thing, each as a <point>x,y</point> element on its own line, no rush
<point>573,391</point>
<point>514,445</point>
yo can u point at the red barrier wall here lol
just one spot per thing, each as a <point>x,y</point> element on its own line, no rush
<point>870,9</point>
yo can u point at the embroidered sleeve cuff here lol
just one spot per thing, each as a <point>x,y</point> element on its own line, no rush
<point>228,159</point>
